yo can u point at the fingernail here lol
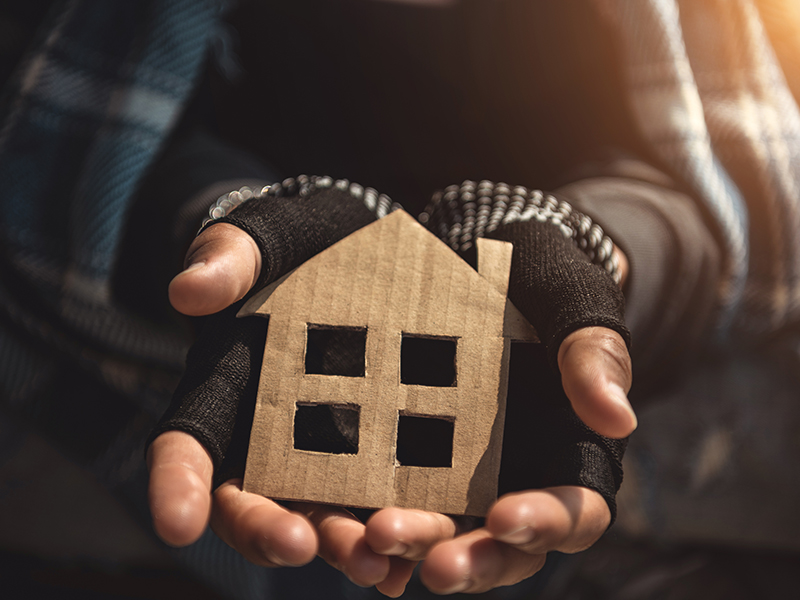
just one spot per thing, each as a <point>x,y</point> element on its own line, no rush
<point>275,559</point>
<point>194,266</point>
<point>621,398</point>
<point>397,550</point>
<point>523,535</point>
<point>354,582</point>
<point>459,587</point>
<point>278,562</point>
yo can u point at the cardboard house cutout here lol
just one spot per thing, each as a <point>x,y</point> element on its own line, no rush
<point>435,337</point>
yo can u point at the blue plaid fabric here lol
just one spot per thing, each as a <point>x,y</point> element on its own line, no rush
<point>711,98</point>
<point>88,112</point>
<point>82,119</point>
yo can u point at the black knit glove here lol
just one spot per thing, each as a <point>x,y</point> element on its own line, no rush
<point>563,278</point>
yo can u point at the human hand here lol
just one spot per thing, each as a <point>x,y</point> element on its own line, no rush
<point>521,527</point>
<point>554,283</point>
<point>221,266</point>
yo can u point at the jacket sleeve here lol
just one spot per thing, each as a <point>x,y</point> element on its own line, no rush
<point>675,262</point>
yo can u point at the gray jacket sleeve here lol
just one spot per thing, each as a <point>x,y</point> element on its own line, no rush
<point>674,263</point>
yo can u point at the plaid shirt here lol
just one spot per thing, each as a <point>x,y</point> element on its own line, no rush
<point>709,95</point>
<point>82,119</point>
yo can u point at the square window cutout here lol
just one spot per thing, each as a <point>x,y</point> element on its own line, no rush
<point>336,350</point>
<point>328,428</point>
<point>425,441</point>
<point>428,360</point>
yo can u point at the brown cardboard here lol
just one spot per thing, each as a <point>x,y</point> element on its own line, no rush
<point>392,277</point>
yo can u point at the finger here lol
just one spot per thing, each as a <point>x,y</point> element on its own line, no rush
<point>179,491</point>
<point>221,266</point>
<point>568,519</point>
<point>596,375</point>
<point>400,571</point>
<point>343,546</point>
<point>407,533</point>
<point>474,562</point>
<point>262,531</point>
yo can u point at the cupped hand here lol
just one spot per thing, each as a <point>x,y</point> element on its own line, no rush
<point>221,266</point>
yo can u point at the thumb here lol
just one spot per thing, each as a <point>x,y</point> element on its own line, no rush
<point>596,375</point>
<point>179,491</point>
<point>222,264</point>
